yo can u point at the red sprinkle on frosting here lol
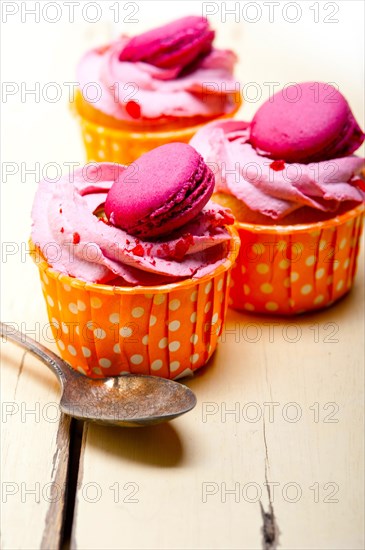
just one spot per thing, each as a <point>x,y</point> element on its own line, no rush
<point>76,238</point>
<point>181,248</point>
<point>133,109</point>
<point>62,230</point>
<point>359,183</point>
<point>137,250</point>
<point>277,165</point>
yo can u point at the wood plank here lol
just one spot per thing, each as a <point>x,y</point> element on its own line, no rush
<point>34,436</point>
<point>170,466</point>
<point>35,448</point>
<point>319,459</point>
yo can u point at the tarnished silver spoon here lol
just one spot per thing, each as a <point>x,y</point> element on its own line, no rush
<point>129,400</point>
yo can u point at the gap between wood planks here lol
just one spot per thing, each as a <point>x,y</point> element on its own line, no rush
<point>59,519</point>
<point>65,469</point>
<point>64,516</point>
<point>76,437</point>
<point>270,529</point>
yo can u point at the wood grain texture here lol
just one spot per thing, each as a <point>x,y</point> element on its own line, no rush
<point>294,388</point>
<point>35,448</point>
<point>167,468</point>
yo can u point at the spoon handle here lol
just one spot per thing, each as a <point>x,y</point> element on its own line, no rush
<point>57,365</point>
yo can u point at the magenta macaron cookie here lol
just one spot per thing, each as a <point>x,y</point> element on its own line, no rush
<point>176,44</point>
<point>161,191</point>
<point>306,122</point>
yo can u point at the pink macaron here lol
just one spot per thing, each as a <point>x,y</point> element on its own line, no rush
<point>306,122</point>
<point>174,45</point>
<point>160,192</point>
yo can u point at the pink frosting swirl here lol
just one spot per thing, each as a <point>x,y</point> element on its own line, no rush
<point>76,242</point>
<point>206,90</point>
<point>275,188</point>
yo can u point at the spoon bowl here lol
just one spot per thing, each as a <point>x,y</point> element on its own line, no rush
<point>129,400</point>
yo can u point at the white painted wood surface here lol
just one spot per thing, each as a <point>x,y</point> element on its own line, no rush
<point>34,453</point>
<point>169,467</point>
<point>314,466</point>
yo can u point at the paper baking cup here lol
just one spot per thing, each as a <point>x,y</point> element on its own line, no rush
<point>298,268</point>
<point>169,330</point>
<point>103,144</point>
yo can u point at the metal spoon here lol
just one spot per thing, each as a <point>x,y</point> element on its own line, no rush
<point>127,400</point>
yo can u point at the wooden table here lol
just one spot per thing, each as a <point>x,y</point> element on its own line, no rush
<point>271,455</point>
<point>274,446</point>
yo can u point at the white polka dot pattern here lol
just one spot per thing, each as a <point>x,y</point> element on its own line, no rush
<point>288,273</point>
<point>169,334</point>
<point>105,363</point>
<point>137,312</point>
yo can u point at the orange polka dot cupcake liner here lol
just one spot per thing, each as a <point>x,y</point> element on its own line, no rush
<point>169,330</point>
<point>294,269</point>
<point>103,144</point>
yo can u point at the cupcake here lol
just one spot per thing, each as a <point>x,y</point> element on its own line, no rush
<point>155,88</point>
<point>295,188</point>
<point>135,264</point>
